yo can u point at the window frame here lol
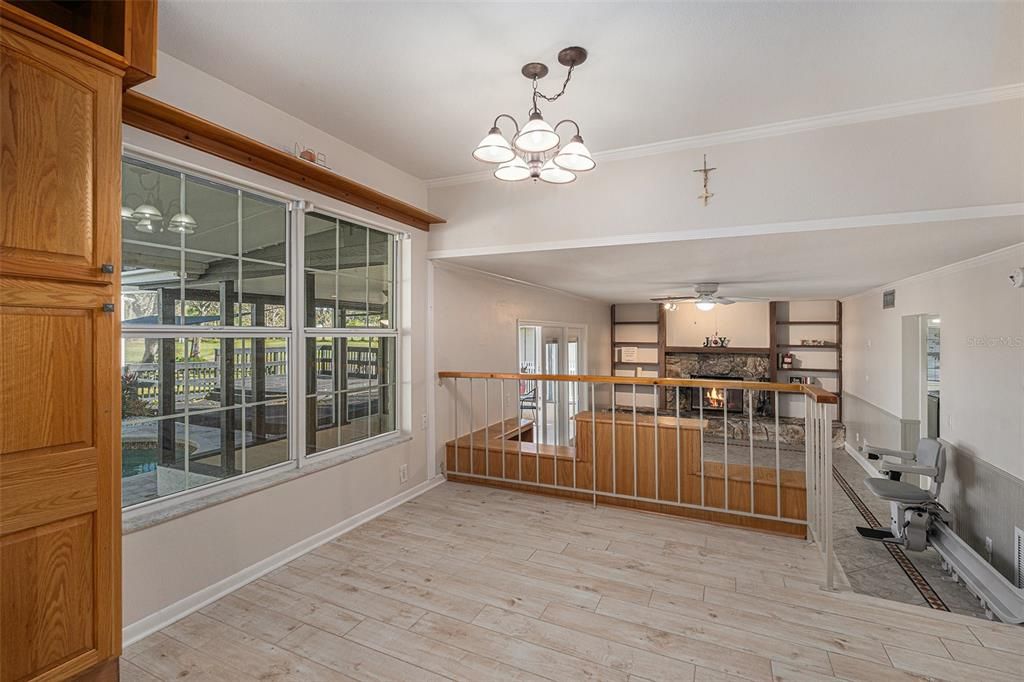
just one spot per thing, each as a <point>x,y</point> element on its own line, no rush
<point>304,333</point>
<point>294,331</point>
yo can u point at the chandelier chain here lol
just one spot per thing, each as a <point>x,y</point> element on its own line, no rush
<point>537,93</point>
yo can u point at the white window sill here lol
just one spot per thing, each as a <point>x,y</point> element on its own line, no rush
<point>161,511</point>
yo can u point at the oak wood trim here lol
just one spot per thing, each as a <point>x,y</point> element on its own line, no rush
<point>140,41</point>
<point>159,118</point>
<point>820,395</point>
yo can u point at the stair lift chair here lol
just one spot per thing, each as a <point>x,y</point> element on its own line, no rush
<point>913,510</point>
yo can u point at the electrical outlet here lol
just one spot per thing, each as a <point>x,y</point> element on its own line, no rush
<point>857,436</point>
<point>423,423</point>
<point>403,473</point>
<point>988,548</point>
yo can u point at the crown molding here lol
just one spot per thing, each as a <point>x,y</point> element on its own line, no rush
<point>813,225</point>
<point>799,125</point>
<point>958,266</point>
<point>458,267</point>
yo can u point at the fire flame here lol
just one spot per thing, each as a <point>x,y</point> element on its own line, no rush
<point>716,398</point>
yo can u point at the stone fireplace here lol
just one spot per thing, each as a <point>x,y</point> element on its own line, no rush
<point>719,364</point>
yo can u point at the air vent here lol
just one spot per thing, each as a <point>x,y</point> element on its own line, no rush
<point>888,299</point>
<point>1018,557</point>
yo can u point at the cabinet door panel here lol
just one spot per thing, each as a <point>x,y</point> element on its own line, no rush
<point>59,475</point>
<point>59,143</point>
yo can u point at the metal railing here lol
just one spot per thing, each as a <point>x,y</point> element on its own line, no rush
<point>675,445</point>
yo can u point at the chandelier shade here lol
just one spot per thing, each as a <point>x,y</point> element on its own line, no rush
<point>575,156</point>
<point>513,171</point>
<point>182,223</point>
<point>145,225</point>
<point>555,175</point>
<point>147,212</point>
<point>536,136</point>
<point>494,148</point>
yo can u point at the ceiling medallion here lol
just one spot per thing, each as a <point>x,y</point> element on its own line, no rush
<point>536,150</point>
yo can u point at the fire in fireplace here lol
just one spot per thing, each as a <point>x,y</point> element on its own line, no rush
<point>717,398</point>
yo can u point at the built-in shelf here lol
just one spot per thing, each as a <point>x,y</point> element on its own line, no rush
<point>800,346</point>
<point>637,364</point>
<point>807,322</point>
<point>717,349</point>
<point>655,322</point>
<point>808,369</point>
<point>638,344</point>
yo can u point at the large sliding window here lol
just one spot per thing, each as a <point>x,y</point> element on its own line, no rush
<point>209,322</point>
<point>349,333</point>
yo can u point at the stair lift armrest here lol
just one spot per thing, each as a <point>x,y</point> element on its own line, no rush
<point>906,468</point>
<point>879,452</point>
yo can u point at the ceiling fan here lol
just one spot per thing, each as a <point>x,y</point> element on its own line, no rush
<point>706,298</point>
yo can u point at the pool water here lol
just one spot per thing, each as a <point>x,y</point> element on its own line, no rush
<point>138,461</point>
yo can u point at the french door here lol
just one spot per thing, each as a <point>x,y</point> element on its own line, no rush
<point>551,348</point>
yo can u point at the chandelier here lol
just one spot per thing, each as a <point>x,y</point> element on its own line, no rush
<point>148,216</point>
<point>536,150</point>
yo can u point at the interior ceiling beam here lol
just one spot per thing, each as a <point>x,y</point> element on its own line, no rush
<point>159,118</point>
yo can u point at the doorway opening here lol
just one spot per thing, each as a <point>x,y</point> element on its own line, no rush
<point>551,348</point>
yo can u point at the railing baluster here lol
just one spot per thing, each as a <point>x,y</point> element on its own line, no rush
<point>700,405</point>
<point>615,408</point>
<point>778,469</point>
<point>472,469</point>
<point>750,433</point>
<point>634,440</point>
<point>725,435</point>
<point>657,450</point>
<point>519,427</point>
<point>457,435</point>
<point>576,442</point>
<point>487,427</point>
<point>829,559</point>
<point>503,430</point>
<point>593,445</point>
<point>538,437</point>
<point>679,470</point>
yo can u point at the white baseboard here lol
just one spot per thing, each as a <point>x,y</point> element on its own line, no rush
<point>133,632</point>
<point>863,461</point>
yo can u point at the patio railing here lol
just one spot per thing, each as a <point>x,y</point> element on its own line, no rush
<point>753,454</point>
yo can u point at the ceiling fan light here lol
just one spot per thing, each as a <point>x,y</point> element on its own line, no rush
<point>494,148</point>
<point>147,212</point>
<point>145,225</point>
<point>575,156</point>
<point>513,171</point>
<point>555,175</point>
<point>705,306</point>
<point>182,223</point>
<point>536,136</point>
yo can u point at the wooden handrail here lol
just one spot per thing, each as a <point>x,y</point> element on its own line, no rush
<point>159,118</point>
<point>818,394</point>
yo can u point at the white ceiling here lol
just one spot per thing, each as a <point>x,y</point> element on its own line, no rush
<point>418,84</point>
<point>797,265</point>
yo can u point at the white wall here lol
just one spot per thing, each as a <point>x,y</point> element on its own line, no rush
<point>971,156</point>
<point>197,92</point>
<point>475,318</point>
<point>745,324</point>
<point>982,353</point>
<point>166,563</point>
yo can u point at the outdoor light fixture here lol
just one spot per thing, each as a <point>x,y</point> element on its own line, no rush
<point>535,150</point>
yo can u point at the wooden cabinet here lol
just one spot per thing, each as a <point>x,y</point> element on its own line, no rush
<point>59,382</point>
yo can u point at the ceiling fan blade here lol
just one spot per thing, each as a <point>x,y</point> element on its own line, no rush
<point>723,301</point>
<point>672,299</point>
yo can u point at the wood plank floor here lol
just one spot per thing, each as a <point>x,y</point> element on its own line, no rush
<point>474,583</point>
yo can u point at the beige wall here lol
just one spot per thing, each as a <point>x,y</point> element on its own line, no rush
<point>982,353</point>
<point>746,325</point>
<point>170,562</point>
<point>475,320</point>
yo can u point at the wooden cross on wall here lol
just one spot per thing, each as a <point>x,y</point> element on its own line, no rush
<point>705,195</point>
